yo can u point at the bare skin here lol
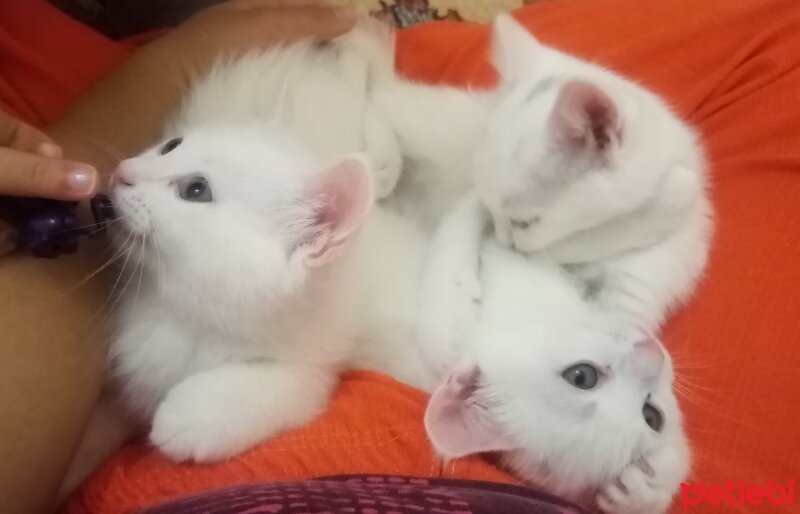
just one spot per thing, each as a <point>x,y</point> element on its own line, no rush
<point>52,333</point>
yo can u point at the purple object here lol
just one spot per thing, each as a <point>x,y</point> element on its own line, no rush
<point>49,228</point>
<point>359,494</point>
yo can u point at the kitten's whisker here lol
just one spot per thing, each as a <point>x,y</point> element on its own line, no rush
<point>141,267</point>
<point>129,251</point>
<point>100,224</point>
<point>113,259</point>
<point>694,398</point>
<point>687,382</point>
<point>685,361</point>
<point>158,260</point>
<point>687,392</point>
<point>130,278</point>
<point>95,231</point>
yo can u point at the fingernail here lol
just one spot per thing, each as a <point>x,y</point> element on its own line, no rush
<point>82,181</point>
<point>49,150</point>
<point>9,240</point>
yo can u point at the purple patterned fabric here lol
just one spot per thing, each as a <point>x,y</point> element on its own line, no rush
<point>359,494</point>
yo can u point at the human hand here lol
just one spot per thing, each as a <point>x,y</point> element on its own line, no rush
<point>31,164</point>
<point>240,25</point>
<point>150,85</point>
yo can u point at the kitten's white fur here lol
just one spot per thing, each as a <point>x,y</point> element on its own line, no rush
<point>174,368</point>
<point>319,94</point>
<point>631,216</point>
<point>529,324</point>
<point>206,313</point>
<point>235,319</point>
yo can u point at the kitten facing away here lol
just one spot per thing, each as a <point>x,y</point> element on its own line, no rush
<point>573,161</point>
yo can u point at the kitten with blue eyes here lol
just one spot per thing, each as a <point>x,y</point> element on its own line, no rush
<point>234,321</point>
<point>572,399</point>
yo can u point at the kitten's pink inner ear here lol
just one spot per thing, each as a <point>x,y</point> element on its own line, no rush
<point>456,423</point>
<point>584,116</point>
<point>343,193</point>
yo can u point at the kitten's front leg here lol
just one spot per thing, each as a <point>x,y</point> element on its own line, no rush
<point>451,289</point>
<point>224,411</point>
<point>645,486</point>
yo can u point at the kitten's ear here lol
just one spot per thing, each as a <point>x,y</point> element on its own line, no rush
<point>586,119</point>
<point>456,422</point>
<point>514,49</point>
<point>342,195</point>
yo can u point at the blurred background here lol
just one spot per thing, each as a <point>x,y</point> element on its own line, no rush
<point>122,18</point>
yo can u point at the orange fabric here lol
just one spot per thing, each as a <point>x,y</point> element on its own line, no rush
<point>47,60</point>
<point>373,426</point>
<point>732,67</point>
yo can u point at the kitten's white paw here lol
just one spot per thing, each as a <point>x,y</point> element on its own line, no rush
<point>644,487</point>
<point>192,424</point>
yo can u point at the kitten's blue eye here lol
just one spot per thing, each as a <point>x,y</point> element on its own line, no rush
<point>195,189</point>
<point>582,376</point>
<point>171,145</point>
<point>653,417</point>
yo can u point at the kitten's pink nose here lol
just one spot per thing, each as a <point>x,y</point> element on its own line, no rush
<point>120,177</point>
<point>648,359</point>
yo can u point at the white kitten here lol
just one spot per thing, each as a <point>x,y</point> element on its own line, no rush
<point>573,399</point>
<point>573,162</point>
<point>589,168</point>
<point>575,409</point>
<point>258,277</point>
<point>237,319</point>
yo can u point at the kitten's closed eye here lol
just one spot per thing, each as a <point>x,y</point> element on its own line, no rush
<point>582,376</point>
<point>171,145</point>
<point>523,224</point>
<point>653,417</point>
<point>195,189</point>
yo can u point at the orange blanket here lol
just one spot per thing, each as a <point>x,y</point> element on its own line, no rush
<point>732,67</point>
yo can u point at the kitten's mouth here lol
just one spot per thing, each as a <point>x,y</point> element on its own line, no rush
<point>102,210</point>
